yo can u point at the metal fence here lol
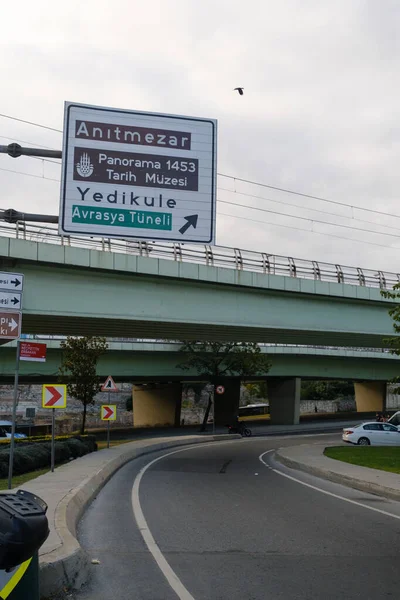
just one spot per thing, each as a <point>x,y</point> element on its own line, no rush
<point>155,342</point>
<point>216,256</point>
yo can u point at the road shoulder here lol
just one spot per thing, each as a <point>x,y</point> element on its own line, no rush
<point>310,458</point>
<point>69,490</point>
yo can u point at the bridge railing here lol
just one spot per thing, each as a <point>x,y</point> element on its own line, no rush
<point>178,343</point>
<point>216,256</point>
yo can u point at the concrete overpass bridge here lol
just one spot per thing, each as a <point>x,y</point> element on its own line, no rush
<point>157,361</point>
<point>79,286</point>
<point>173,291</point>
<point>152,366</point>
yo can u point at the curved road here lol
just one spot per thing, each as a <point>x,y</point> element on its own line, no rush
<point>214,522</point>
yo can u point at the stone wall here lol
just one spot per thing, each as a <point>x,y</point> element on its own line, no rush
<point>30,396</point>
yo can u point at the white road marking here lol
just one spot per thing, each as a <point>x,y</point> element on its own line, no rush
<point>169,574</point>
<point>172,578</point>
<point>314,487</point>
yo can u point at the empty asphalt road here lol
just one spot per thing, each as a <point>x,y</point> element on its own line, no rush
<point>214,522</point>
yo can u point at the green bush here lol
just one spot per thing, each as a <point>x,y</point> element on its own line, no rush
<point>32,456</point>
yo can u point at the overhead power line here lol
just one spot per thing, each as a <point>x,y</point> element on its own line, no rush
<point>265,210</point>
<point>29,174</point>
<point>272,187</point>
<point>324,212</point>
<point>340,237</point>
<point>7,137</point>
<point>248,181</point>
<point>274,212</point>
<point>30,123</point>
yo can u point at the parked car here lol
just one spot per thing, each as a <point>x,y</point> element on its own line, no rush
<point>375,434</point>
<point>5,430</point>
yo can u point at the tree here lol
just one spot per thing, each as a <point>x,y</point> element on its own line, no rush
<point>213,360</point>
<point>256,389</point>
<point>326,390</point>
<point>78,369</point>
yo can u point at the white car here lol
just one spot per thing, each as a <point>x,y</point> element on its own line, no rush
<point>374,434</point>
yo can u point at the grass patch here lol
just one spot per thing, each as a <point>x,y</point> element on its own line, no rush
<point>21,479</point>
<point>375,457</point>
<point>103,444</point>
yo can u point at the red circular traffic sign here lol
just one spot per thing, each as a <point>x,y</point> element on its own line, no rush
<point>220,389</point>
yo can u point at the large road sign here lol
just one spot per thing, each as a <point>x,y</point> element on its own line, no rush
<point>138,175</point>
<point>109,412</point>
<point>13,282</point>
<point>10,325</point>
<point>54,396</point>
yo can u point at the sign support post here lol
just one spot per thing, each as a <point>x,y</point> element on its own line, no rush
<point>14,418</point>
<point>54,397</point>
<point>108,423</point>
<point>53,442</point>
<point>213,409</point>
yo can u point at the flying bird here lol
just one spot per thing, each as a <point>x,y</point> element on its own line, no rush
<point>240,90</point>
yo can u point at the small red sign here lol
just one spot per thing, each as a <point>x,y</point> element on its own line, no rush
<point>220,389</point>
<point>32,352</point>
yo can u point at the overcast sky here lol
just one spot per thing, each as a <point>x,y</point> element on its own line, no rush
<point>320,112</point>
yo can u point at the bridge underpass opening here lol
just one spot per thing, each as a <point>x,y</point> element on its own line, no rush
<point>157,404</point>
<point>370,396</point>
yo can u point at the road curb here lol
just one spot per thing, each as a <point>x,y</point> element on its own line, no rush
<point>353,482</point>
<point>68,566</point>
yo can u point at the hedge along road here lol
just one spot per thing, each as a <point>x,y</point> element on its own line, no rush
<point>31,455</point>
<point>213,522</point>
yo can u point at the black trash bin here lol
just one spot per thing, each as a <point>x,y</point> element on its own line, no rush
<point>23,530</point>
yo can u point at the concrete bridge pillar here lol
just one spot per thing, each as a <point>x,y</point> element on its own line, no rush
<point>227,404</point>
<point>157,405</point>
<point>284,400</point>
<point>370,396</point>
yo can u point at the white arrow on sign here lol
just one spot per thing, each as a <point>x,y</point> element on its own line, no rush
<point>12,324</point>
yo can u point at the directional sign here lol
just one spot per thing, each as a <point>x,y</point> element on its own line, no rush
<point>109,385</point>
<point>138,175</point>
<point>10,325</point>
<point>13,282</point>
<point>109,412</point>
<point>11,300</point>
<point>54,396</point>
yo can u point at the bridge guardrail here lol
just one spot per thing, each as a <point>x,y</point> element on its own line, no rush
<point>216,256</point>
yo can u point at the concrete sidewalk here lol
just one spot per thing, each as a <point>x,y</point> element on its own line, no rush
<point>68,491</point>
<point>310,459</point>
<point>303,428</point>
